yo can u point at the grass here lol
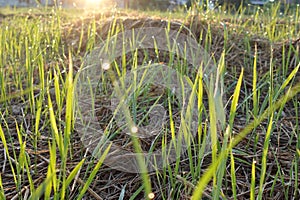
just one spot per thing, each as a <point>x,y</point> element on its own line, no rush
<point>231,127</point>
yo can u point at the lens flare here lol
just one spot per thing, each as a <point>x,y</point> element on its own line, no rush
<point>105,66</point>
<point>93,3</point>
<point>134,129</point>
<point>151,195</point>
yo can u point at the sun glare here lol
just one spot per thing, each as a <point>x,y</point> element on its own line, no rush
<point>93,3</point>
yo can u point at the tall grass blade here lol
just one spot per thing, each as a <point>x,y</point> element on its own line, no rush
<point>252,188</point>
<point>137,192</point>
<point>264,158</point>
<point>93,173</point>
<point>287,80</point>
<point>69,100</point>
<point>213,129</point>
<point>254,87</point>
<point>233,177</point>
<point>56,134</point>
<point>235,99</point>
<point>73,173</point>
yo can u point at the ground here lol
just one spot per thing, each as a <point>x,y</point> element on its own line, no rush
<point>239,44</point>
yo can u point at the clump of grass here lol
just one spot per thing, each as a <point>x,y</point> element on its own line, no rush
<point>40,157</point>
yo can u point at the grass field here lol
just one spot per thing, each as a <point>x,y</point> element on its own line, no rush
<point>211,97</point>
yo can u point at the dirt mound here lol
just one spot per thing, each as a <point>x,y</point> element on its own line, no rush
<point>240,48</point>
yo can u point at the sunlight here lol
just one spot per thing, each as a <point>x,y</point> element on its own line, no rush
<point>93,3</point>
<point>98,4</point>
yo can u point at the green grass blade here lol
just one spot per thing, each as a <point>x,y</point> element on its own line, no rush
<point>264,158</point>
<point>252,188</point>
<point>93,173</point>
<point>30,180</point>
<point>233,177</point>
<point>58,92</point>
<point>48,188</point>
<point>213,128</point>
<point>51,172</point>
<point>41,189</point>
<point>235,99</point>
<point>137,192</point>
<point>254,87</point>
<point>69,100</point>
<point>288,80</point>
<point>74,172</point>
<point>54,126</point>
